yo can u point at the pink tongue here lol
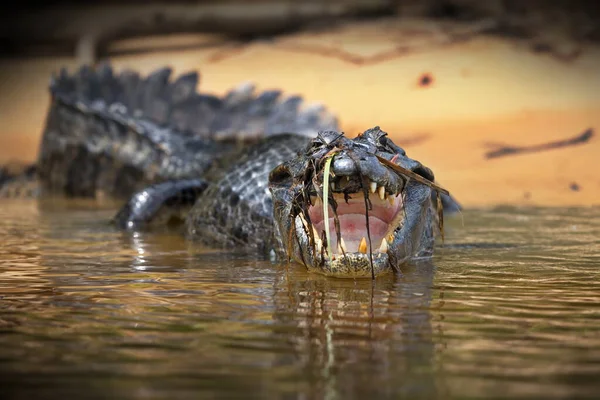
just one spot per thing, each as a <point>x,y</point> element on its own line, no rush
<point>353,228</point>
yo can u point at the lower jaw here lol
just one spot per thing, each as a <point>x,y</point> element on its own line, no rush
<point>353,266</point>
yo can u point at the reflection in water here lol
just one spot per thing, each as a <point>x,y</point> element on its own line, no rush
<point>359,338</point>
<point>509,309</point>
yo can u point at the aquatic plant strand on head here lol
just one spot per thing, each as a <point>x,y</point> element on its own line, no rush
<point>326,171</point>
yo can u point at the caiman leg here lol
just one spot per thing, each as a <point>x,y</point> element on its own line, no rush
<point>160,204</point>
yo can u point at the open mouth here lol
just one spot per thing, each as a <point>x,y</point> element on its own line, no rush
<point>361,230</point>
<point>354,238</point>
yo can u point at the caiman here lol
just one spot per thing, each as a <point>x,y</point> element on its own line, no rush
<point>245,171</point>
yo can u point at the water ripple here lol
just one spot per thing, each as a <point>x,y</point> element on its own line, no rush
<point>510,308</point>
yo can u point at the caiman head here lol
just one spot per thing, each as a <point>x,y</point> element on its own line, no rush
<point>380,211</point>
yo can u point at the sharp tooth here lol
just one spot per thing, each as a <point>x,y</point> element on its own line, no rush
<point>384,246</point>
<point>343,244</point>
<point>318,245</point>
<point>390,238</point>
<point>317,202</point>
<point>301,216</point>
<point>313,200</point>
<point>381,191</point>
<point>362,247</point>
<point>373,186</point>
<point>315,233</point>
<point>391,199</point>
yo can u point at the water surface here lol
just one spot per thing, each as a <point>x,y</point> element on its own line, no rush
<point>508,308</point>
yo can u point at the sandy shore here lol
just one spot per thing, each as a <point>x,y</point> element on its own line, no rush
<point>479,93</point>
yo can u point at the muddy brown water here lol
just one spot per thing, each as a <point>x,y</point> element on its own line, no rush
<point>508,308</point>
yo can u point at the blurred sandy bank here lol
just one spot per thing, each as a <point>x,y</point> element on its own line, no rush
<point>448,95</point>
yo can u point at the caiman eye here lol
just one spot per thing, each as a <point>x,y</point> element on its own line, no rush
<point>390,146</point>
<point>383,142</point>
<point>280,176</point>
<point>425,172</point>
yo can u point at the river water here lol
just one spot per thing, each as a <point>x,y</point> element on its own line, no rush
<point>508,308</point>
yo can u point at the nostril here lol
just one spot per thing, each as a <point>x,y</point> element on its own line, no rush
<point>343,166</point>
